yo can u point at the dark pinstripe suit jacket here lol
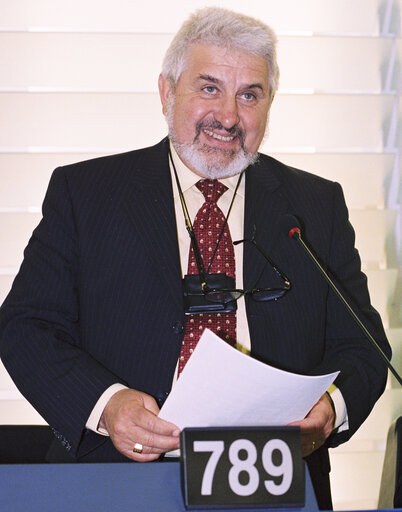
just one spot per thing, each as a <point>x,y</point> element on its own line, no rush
<point>98,298</point>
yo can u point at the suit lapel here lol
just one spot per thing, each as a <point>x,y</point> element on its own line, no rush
<point>265,206</point>
<point>149,200</point>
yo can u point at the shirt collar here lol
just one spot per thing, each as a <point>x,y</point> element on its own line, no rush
<point>188,178</point>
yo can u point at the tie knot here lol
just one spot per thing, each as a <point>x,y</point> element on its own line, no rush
<point>211,189</point>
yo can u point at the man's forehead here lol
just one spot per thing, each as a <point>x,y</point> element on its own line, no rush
<point>216,62</point>
<point>218,81</point>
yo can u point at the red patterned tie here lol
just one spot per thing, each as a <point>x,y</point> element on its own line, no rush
<point>207,227</point>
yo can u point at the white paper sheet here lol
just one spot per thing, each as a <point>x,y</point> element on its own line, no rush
<point>220,386</point>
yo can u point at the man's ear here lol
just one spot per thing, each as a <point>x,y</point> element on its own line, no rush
<point>165,90</point>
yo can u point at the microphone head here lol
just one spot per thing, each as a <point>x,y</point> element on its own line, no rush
<point>291,226</point>
<point>294,233</point>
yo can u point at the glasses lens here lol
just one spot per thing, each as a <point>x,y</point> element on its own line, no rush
<point>261,295</point>
<point>222,296</point>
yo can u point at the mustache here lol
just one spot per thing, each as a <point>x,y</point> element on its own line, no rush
<point>234,130</point>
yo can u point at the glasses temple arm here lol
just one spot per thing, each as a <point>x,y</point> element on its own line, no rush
<point>273,265</point>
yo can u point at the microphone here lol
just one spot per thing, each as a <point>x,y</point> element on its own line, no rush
<point>294,232</point>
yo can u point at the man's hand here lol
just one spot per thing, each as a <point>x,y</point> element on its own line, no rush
<point>317,425</point>
<point>130,417</point>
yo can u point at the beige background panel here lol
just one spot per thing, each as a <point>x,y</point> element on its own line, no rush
<point>368,467</point>
<point>383,293</point>
<point>18,412</point>
<point>15,231</point>
<point>6,281</point>
<point>328,121</point>
<point>24,177</point>
<point>17,227</point>
<point>340,16</point>
<point>23,184</point>
<point>107,121</point>
<point>115,122</point>
<point>333,63</point>
<point>98,62</point>
<point>375,237</point>
<point>372,435</point>
<point>364,177</point>
<point>132,62</point>
<point>6,383</point>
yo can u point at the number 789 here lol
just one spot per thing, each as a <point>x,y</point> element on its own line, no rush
<point>284,469</point>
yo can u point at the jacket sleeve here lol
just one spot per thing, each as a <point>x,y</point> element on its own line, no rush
<point>40,324</point>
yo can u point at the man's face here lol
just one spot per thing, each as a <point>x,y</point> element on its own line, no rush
<point>218,112</point>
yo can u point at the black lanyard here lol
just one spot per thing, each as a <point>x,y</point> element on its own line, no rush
<point>189,226</point>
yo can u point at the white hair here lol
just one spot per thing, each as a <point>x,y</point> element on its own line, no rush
<point>227,29</point>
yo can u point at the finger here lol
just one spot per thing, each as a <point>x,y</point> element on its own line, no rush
<point>317,419</point>
<point>153,444</point>
<point>308,449</point>
<point>126,446</point>
<point>307,426</point>
<point>311,443</point>
<point>294,423</point>
<point>141,457</point>
<point>307,441</point>
<point>150,422</point>
<point>150,444</point>
<point>311,436</point>
<point>156,442</point>
<point>133,448</point>
<point>127,433</point>
<point>147,453</point>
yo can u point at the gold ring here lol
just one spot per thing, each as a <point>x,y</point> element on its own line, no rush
<point>313,445</point>
<point>137,448</point>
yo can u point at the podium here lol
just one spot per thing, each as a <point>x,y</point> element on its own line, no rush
<point>107,487</point>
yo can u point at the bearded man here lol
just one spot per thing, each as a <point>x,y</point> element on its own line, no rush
<point>94,330</point>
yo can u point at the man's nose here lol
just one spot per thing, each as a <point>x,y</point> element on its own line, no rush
<point>227,112</point>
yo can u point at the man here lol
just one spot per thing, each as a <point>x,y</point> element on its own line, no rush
<point>93,328</point>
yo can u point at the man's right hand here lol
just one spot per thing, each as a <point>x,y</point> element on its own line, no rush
<point>131,417</point>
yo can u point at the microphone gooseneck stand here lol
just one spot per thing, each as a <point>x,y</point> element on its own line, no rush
<point>295,234</point>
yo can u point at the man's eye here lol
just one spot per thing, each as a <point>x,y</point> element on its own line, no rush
<point>248,96</point>
<point>210,89</point>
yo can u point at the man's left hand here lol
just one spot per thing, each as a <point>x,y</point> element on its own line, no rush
<point>316,426</point>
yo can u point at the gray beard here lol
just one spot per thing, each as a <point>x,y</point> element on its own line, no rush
<point>195,156</point>
<point>199,156</point>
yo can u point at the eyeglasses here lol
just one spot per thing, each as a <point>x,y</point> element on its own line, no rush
<point>258,294</point>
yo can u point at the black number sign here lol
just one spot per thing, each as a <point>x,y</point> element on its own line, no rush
<point>242,467</point>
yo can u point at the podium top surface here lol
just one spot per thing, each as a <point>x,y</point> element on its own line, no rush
<point>100,487</point>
